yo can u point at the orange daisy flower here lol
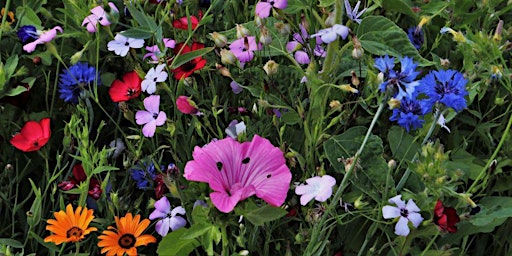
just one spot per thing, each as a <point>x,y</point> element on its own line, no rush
<point>127,237</point>
<point>70,226</point>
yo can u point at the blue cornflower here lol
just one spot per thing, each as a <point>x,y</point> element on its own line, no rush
<point>27,34</point>
<point>401,83</point>
<point>409,114</point>
<point>446,87</point>
<point>353,14</point>
<point>75,79</point>
<point>144,174</point>
<point>415,35</point>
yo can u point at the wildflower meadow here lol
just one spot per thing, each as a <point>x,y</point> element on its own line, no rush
<point>256,127</point>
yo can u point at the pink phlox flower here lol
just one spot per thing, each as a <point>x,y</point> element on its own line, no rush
<point>154,75</point>
<point>243,48</point>
<point>319,188</point>
<point>99,15</point>
<point>154,52</point>
<point>406,212</point>
<point>122,44</point>
<point>263,7</point>
<point>45,37</point>
<point>169,218</point>
<point>329,35</point>
<point>151,117</point>
<point>236,171</point>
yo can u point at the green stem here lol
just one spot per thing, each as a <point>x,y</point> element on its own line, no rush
<point>404,178</point>
<point>4,18</point>
<point>494,154</point>
<point>430,244</point>
<point>317,230</point>
<point>225,242</point>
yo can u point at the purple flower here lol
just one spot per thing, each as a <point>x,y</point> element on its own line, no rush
<point>263,7</point>
<point>352,13</point>
<point>329,35</point>
<point>152,117</point>
<point>300,41</point>
<point>235,87</point>
<point>27,34</point>
<point>168,217</point>
<point>406,212</point>
<point>154,52</point>
<point>99,15</point>
<point>319,188</point>
<point>45,37</point>
<point>244,48</point>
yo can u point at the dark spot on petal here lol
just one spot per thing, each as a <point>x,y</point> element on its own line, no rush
<point>268,176</point>
<point>246,160</point>
<point>219,166</point>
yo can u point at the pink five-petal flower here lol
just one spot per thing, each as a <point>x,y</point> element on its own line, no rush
<point>99,15</point>
<point>168,218</point>
<point>152,117</point>
<point>45,37</point>
<point>236,171</point>
<point>244,48</point>
<point>264,6</point>
<point>154,52</point>
<point>319,188</point>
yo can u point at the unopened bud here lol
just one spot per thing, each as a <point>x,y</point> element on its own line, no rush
<point>227,57</point>
<point>220,40</point>
<point>271,67</point>
<point>497,33</point>
<point>424,20</point>
<point>223,70</point>
<point>282,28</point>
<point>335,104</point>
<point>260,22</point>
<point>330,21</point>
<point>393,103</point>
<point>241,31</point>
<point>357,52</point>
<point>355,79</point>
<point>76,57</point>
<point>392,164</point>
<point>445,63</point>
<point>265,37</point>
<point>380,78</point>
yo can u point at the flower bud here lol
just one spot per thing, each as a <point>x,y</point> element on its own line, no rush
<point>187,106</point>
<point>259,21</point>
<point>497,33</point>
<point>223,70</point>
<point>220,40</point>
<point>329,22</point>
<point>265,37</point>
<point>227,57</point>
<point>271,67</point>
<point>241,31</point>
<point>335,105</point>
<point>392,164</point>
<point>445,62</point>
<point>393,103</point>
<point>355,79</point>
<point>282,28</point>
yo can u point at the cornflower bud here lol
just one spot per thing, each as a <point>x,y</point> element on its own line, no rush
<point>227,57</point>
<point>271,67</point>
<point>393,103</point>
<point>241,31</point>
<point>265,37</point>
<point>220,40</point>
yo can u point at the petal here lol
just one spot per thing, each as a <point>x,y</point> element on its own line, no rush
<point>149,86</point>
<point>224,202</point>
<point>329,37</point>
<point>160,119</point>
<point>177,222</point>
<point>302,57</point>
<point>149,129</point>
<point>390,212</point>
<point>411,206</point>
<point>152,103</point>
<point>177,210</point>
<point>136,43</point>
<point>30,47</point>
<point>143,117</point>
<point>340,30</point>
<point>398,201</point>
<point>163,205</point>
<point>415,218</point>
<point>263,9</point>
<point>162,226</point>
<point>401,228</point>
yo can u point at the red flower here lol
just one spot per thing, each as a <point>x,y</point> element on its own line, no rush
<point>188,68</point>
<point>445,217</point>
<point>127,89</point>
<point>182,23</point>
<point>33,135</point>
<point>79,177</point>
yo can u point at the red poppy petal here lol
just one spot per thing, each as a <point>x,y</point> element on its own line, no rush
<point>79,173</point>
<point>133,80</point>
<point>197,46</point>
<point>32,131</point>
<point>118,91</point>
<point>45,126</point>
<point>439,209</point>
<point>21,143</point>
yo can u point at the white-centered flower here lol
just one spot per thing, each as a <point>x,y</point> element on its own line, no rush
<point>406,212</point>
<point>154,75</point>
<point>122,44</point>
<point>319,188</point>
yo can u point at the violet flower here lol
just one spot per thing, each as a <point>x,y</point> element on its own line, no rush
<point>169,218</point>
<point>152,117</point>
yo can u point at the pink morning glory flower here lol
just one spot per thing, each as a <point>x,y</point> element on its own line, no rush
<point>122,44</point>
<point>264,6</point>
<point>319,188</point>
<point>99,15</point>
<point>406,212</point>
<point>45,37</point>
<point>154,52</point>
<point>154,75</point>
<point>243,48</point>
<point>169,218</point>
<point>151,117</point>
<point>329,35</point>
<point>236,171</point>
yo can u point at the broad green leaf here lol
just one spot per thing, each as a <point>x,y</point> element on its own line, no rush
<point>493,208</point>
<point>380,36</point>
<point>142,32</point>
<point>295,6</point>
<point>184,58</point>
<point>197,230</point>
<point>370,176</point>
<point>27,16</point>
<point>326,3</point>
<point>173,244</point>
<point>403,146</point>
<point>400,6</point>
<point>10,65</point>
<point>290,117</point>
<point>141,18</point>
<point>259,215</point>
<point>50,246</point>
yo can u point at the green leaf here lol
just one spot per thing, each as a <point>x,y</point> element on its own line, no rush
<point>11,242</point>
<point>380,36</point>
<point>184,58</point>
<point>295,7</point>
<point>197,230</point>
<point>10,65</point>
<point>50,246</point>
<point>259,215</point>
<point>15,91</point>
<point>141,18</point>
<point>290,117</point>
<point>493,208</point>
<point>173,244</point>
<point>141,32</point>
<point>398,6</point>
<point>101,169</point>
<point>326,3</point>
<point>403,146</point>
<point>27,16</point>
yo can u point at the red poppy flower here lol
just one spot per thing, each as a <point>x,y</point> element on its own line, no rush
<point>188,68</point>
<point>182,23</point>
<point>33,135</point>
<point>79,177</point>
<point>445,217</point>
<point>127,89</point>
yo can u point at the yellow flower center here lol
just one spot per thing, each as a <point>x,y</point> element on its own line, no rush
<point>74,232</point>
<point>127,241</point>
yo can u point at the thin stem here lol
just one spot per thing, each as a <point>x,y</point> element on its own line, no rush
<point>225,242</point>
<point>4,18</point>
<point>317,230</point>
<point>430,244</point>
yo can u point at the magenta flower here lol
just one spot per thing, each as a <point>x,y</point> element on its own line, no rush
<point>168,217</point>
<point>151,117</point>
<point>187,106</point>
<point>244,48</point>
<point>264,6</point>
<point>236,171</point>
<point>45,37</point>
<point>99,15</point>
